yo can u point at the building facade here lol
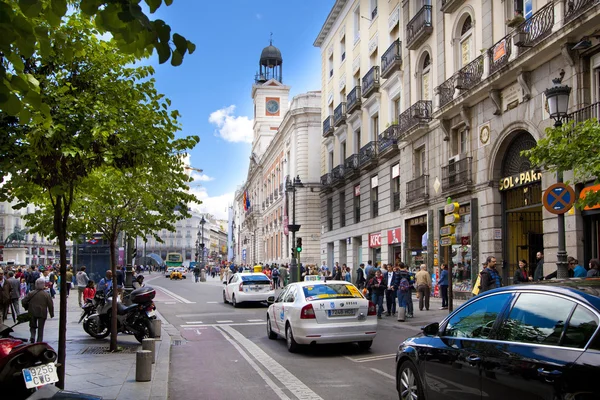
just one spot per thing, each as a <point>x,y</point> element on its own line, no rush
<point>425,100</point>
<point>286,145</point>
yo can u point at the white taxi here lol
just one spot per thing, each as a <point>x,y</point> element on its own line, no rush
<point>247,287</point>
<point>322,312</point>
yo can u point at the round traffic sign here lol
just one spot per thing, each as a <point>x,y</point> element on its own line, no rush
<point>558,198</point>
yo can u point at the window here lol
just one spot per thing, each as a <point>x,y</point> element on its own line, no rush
<point>395,110</point>
<point>330,160</point>
<point>342,152</point>
<point>374,196</point>
<point>420,162</point>
<point>395,187</point>
<point>477,319</point>
<point>357,203</point>
<point>330,66</point>
<point>282,295</point>
<point>343,49</point>
<point>460,141</point>
<point>356,24</point>
<point>357,141</point>
<point>582,325</point>
<point>342,209</point>
<point>426,77</point>
<point>374,126</point>
<point>330,214</point>
<point>536,318</point>
<point>465,42</point>
<point>595,79</point>
<point>373,9</point>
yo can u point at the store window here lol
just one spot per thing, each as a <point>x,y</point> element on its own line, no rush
<point>416,230</point>
<point>462,256</point>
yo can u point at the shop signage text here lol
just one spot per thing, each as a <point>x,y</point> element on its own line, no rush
<point>375,239</point>
<point>394,236</point>
<point>522,179</point>
<point>447,230</point>
<point>447,241</point>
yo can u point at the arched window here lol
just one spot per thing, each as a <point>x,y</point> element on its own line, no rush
<point>465,41</point>
<point>426,77</point>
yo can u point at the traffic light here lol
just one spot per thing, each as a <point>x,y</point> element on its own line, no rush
<point>299,245</point>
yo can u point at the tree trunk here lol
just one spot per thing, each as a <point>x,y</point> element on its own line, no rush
<point>113,268</point>
<point>60,228</point>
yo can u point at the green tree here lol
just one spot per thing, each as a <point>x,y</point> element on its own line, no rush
<point>26,34</point>
<point>104,113</point>
<point>573,147</point>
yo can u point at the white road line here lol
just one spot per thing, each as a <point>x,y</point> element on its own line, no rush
<point>170,302</point>
<point>212,302</point>
<point>193,322</point>
<point>224,324</point>
<point>175,296</point>
<point>293,384</point>
<point>383,374</point>
<point>225,321</point>
<point>255,367</point>
<point>256,320</point>
<point>372,358</point>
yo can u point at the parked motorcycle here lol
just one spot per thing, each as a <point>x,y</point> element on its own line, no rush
<point>24,367</point>
<point>136,318</point>
<point>91,306</point>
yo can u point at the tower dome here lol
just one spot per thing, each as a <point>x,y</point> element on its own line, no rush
<point>270,56</point>
<point>270,64</point>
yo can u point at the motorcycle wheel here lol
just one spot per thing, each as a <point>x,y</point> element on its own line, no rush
<point>145,330</point>
<point>95,327</point>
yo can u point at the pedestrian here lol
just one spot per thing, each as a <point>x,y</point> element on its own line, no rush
<point>521,273</point>
<point>5,295</point>
<point>275,277</point>
<point>377,286</point>
<point>51,281</point>
<point>69,280</point>
<point>347,275</point>
<point>15,293</point>
<point>89,292</point>
<point>360,276</point>
<point>337,273</point>
<point>82,281</point>
<point>594,268</point>
<point>404,293</point>
<point>578,270</point>
<point>490,278</point>
<point>369,273</point>
<point>105,284</point>
<point>443,283</point>
<point>138,282</point>
<point>23,287</point>
<point>423,280</point>
<point>196,273</point>
<point>392,279</point>
<point>38,304</point>
<point>538,274</point>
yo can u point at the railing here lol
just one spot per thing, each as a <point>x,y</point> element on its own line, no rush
<point>417,188</point>
<point>367,153</point>
<point>456,174</point>
<point>535,28</point>
<point>470,75</point>
<point>446,90</point>
<point>417,113</point>
<point>370,82</point>
<point>337,174</point>
<point>327,126</point>
<point>585,113</point>
<point>499,53</point>
<point>339,114</point>
<point>396,200</point>
<point>420,21</point>
<point>353,100</point>
<point>391,58</point>
<point>387,138</point>
<point>351,165</point>
<point>575,7</point>
<point>326,180</point>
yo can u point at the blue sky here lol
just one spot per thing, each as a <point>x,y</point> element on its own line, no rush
<point>213,86</point>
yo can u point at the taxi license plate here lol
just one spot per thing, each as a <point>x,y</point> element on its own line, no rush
<point>341,313</point>
<point>40,375</point>
<point>151,314</point>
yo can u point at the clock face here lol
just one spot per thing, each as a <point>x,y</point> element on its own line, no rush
<point>272,106</point>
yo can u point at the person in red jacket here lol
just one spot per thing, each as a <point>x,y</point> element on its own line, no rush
<point>89,292</point>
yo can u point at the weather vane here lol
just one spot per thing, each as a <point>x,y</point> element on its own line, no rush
<point>271,39</point>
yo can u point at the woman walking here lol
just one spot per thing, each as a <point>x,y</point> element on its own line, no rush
<point>443,282</point>
<point>38,304</point>
<point>521,273</point>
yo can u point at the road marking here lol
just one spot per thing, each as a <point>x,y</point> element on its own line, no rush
<point>372,358</point>
<point>198,332</point>
<point>193,322</point>
<point>175,296</point>
<point>170,302</point>
<point>223,324</point>
<point>256,320</point>
<point>225,321</point>
<point>258,370</point>
<point>289,381</point>
<point>383,373</point>
<point>212,302</point>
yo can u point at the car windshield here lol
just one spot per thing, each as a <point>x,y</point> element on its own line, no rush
<point>255,279</point>
<point>332,290</point>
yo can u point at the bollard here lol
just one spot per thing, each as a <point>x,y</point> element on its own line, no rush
<point>143,366</point>
<point>150,344</point>
<point>157,325</point>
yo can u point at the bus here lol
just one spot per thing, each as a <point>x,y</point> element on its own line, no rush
<point>174,260</point>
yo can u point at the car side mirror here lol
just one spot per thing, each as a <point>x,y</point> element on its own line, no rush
<point>431,329</point>
<point>271,300</point>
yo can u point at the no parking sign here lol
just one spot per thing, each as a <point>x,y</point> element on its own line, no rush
<point>558,198</point>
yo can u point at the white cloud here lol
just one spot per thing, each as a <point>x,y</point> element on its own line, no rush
<point>216,205</point>
<point>231,128</point>
<point>201,177</point>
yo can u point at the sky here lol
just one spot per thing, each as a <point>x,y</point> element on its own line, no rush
<point>212,88</point>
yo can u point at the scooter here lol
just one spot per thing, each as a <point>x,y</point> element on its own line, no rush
<point>91,305</point>
<point>136,318</point>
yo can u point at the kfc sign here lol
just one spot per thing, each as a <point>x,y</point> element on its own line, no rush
<point>394,236</point>
<point>375,239</point>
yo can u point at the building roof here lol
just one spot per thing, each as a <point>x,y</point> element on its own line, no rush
<point>271,56</point>
<point>333,14</point>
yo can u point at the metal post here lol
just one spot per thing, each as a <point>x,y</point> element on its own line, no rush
<point>562,266</point>
<point>294,276</point>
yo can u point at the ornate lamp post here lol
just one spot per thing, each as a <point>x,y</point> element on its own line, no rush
<point>202,222</point>
<point>290,187</point>
<point>557,98</point>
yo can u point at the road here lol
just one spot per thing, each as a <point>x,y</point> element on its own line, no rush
<point>221,352</point>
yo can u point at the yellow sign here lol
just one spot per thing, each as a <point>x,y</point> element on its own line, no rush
<point>447,241</point>
<point>522,179</point>
<point>451,208</point>
<point>436,262</point>
<point>447,230</point>
<point>450,219</point>
<point>355,292</point>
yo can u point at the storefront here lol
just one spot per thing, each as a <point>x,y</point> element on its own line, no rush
<point>416,241</point>
<point>375,248</point>
<point>591,221</point>
<point>394,240</point>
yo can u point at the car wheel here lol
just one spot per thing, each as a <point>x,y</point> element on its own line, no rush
<point>408,383</point>
<point>270,334</point>
<point>366,345</point>
<point>224,298</point>
<point>289,338</point>
<point>233,302</point>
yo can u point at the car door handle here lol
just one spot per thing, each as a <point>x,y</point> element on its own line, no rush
<point>549,374</point>
<point>473,359</point>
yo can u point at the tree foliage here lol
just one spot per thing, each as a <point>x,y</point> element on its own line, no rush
<point>573,147</point>
<point>25,34</point>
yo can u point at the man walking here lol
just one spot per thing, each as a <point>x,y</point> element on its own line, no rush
<point>5,290</point>
<point>15,292</point>
<point>360,276</point>
<point>369,270</point>
<point>490,278</point>
<point>423,287</point>
<point>378,285</point>
<point>538,275</point>
<point>404,293</point>
<point>391,279</point>
<point>82,281</point>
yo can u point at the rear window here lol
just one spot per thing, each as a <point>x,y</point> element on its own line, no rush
<point>330,291</point>
<point>255,279</point>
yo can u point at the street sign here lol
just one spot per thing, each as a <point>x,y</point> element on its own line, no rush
<point>447,230</point>
<point>558,198</point>
<point>451,208</point>
<point>450,219</point>
<point>244,254</point>
<point>447,241</point>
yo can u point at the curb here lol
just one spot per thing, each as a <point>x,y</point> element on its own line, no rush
<point>160,382</point>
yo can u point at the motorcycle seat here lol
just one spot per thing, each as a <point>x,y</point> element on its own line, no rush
<point>122,310</point>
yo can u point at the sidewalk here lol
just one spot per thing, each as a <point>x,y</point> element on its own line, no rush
<point>91,369</point>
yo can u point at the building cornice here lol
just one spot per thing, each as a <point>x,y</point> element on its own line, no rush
<point>331,18</point>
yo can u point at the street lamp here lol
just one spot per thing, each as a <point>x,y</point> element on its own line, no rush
<point>557,98</point>
<point>202,222</point>
<point>290,187</point>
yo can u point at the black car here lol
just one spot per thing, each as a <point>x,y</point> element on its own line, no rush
<point>531,341</point>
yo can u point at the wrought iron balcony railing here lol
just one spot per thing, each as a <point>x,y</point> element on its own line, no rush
<point>328,126</point>
<point>585,113</point>
<point>367,153</point>
<point>535,28</point>
<point>351,165</point>
<point>339,114</point>
<point>457,174</point>
<point>419,26</point>
<point>470,75</point>
<point>353,100</point>
<point>417,189</point>
<point>573,8</point>
<point>418,113</point>
<point>446,90</point>
<point>337,174</point>
<point>391,60</point>
<point>370,82</point>
<point>388,138</point>
<point>326,180</point>
<point>499,53</point>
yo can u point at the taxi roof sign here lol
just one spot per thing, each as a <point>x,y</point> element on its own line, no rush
<point>312,278</point>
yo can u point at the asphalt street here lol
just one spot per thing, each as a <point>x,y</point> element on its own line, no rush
<point>221,352</point>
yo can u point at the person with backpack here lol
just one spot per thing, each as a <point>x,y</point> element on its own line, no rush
<point>377,286</point>
<point>404,294</point>
<point>275,277</point>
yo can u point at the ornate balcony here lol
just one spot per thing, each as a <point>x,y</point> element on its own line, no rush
<point>337,175</point>
<point>449,6</point>
<point>585,113</point>
<point>457,176</point>
<point>367,156</point>
<point>353,100</point>
<point>419,28</point>
<point>391,60</point>
<point>351,166</point>
<point>326,182</point>
<point>339,114</point>
<point>536,28</point>
<point>417,190</point>
<point>574,8</point>
<point>328,126</point>
<point>470,75</point>
<point>386,142</point>
<point>418,115</point>
<point>370,82</point>
<point>499,53</point>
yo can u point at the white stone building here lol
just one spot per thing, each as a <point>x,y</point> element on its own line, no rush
<point>424,100</point>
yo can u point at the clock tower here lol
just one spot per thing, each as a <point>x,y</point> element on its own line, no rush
<point>271,98</point>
